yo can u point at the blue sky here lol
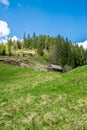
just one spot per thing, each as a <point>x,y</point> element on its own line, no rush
<point>51,17</point>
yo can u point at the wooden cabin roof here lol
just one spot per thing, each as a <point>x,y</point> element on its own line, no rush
<point>57,67</point>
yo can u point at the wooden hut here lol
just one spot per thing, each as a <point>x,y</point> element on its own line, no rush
<point>56,68</point>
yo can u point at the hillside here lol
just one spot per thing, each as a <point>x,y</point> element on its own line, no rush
<point>26,59</point>
<point>34,100</point>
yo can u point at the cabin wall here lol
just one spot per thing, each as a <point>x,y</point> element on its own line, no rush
<point>53,69</point>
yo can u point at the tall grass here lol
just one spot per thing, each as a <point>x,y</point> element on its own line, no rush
<point>33,100</point>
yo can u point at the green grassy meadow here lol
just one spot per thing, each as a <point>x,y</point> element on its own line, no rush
<point>34,100</point>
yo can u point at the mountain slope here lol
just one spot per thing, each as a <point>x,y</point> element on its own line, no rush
<point>26,59</point>
<point>33,100</point>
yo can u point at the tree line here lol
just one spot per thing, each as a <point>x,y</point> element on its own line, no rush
<point>56,49</point>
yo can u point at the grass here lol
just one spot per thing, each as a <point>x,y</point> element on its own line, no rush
<point>33,100</point>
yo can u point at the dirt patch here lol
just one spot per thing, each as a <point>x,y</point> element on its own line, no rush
<point>11,62</point>
<point>14,62</point>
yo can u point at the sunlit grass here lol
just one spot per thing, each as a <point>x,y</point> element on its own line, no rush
<point>33,100</point>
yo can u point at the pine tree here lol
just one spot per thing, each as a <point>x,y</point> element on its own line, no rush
<point>10,47</point>
<point>3,49</point>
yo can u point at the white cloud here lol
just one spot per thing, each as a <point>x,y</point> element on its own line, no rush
<point>5,2</point>
<point>84,44</point>
<point>14,38</point>
<point>4,29</point>
<point>5,40</point>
